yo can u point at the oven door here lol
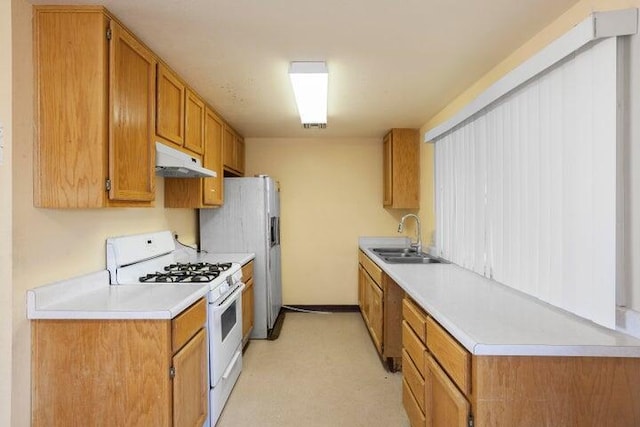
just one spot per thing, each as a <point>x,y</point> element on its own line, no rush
<point>225,326</point>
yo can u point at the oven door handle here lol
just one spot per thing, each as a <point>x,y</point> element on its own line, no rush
<point>224,304</point>
<point>227,371</point>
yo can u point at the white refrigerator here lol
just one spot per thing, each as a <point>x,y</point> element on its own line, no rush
<point>249,221</point>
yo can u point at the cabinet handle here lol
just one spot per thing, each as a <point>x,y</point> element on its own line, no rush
<point>172,372</point>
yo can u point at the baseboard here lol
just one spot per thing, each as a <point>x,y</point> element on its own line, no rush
<point>329,308</point>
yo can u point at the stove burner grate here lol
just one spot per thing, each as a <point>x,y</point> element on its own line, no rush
<point>200,272</point>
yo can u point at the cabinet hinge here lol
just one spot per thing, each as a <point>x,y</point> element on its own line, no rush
<point>470,421</point>
<point>107,184</point>
<point>172,372</point>
<point>108,33</point>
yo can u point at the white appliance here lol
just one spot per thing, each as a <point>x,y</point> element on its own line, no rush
<point>155,258</point>
<point>249,221</point>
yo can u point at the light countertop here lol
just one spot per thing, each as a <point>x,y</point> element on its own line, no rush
<point>489,318</point>
<point>92,297</point>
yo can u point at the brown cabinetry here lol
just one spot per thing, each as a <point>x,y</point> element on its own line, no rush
<point>233,151</point>
<point>380,301</point>
<point>444,385</point>
<point>129,372</point>
<point>436,372</point>
<point>194,122</point>
<point>170,102</point>
<point>247,302</point>
<point>95,111</point>
<point>401,169</point>
<point>201,192</point>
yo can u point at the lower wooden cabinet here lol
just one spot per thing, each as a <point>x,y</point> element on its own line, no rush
<point>456,389</point>
<point>124,372</point>
<point>247,302</point>
<point>380,300</point>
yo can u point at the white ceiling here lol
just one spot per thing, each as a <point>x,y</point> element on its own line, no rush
<point>391,63</point>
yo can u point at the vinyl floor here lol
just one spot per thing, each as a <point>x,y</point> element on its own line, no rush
<point>323,370</point>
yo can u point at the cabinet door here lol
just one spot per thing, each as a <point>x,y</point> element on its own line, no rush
<point>445,405</point>
<point>170,106</point>
<point>361,285</point>
<point>194,122</point>
<point>375,312</point>
<point>213,192</point>
<point>247,307</point>
<point>190,383</point>
<point>240,154</point>
<point>387,170</point>
<point>229,148</point>
<point>132,120</point>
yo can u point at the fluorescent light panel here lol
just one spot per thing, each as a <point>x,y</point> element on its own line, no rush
<point>310,81</point>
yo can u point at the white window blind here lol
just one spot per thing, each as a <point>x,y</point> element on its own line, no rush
<point>526,188</point>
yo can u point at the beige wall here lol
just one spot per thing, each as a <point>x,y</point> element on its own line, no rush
<point>331,194</point>
<point>5,216</point>
<point>50,244</point>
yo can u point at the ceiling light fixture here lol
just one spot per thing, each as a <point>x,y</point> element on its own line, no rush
<point>310,81</point>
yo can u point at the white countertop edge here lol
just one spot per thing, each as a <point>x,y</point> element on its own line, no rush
<point>555,350</point>
<point>104,315</point>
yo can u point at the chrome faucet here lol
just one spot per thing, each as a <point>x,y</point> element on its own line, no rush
<point>418,244</point>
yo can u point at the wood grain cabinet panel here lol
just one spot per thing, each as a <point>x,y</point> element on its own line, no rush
<point>190,386</point>
<point>95,112</point>
<point>233,152</point>
<point>119,371</point>
<point>401,169</point>
<point>170,103</point>
<point>248,315</point>
<point>194,122</point>
<point>445,405</point>
<point>213,187</point>
<point>381,307</point>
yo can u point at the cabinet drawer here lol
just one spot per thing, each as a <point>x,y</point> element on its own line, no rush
<point>454,358</point>
<point>374,271</point>
<point>247,271</point>
<point>416,416</point>
<point>415,317</point>
<point>186,324</point>
<point>414,379</point>
<point>413,346</point>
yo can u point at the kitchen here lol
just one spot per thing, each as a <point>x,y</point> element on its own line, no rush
<point>345,201</point>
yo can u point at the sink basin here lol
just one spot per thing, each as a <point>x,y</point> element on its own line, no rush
<point>394,251</point>
<point>416,259</point>
<point>406,256</point>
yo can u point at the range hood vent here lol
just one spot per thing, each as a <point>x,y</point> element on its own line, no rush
<point>174,163</point>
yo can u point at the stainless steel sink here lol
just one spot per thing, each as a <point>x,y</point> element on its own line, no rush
<point>418,259</point>
<point>406,256</point>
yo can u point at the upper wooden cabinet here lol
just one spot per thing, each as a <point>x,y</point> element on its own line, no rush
<point>401,169</point>
<point>201,192</point>
<point>170,102</point>
<point>233,152</point>
<point>194,122</point>
<point>95,115</point>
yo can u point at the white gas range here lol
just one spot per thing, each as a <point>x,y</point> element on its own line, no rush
<point>156,258</point>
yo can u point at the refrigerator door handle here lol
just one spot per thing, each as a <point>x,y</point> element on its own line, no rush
<point>274,231</point>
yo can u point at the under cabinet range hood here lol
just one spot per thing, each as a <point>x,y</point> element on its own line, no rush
<point>176,164</point>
